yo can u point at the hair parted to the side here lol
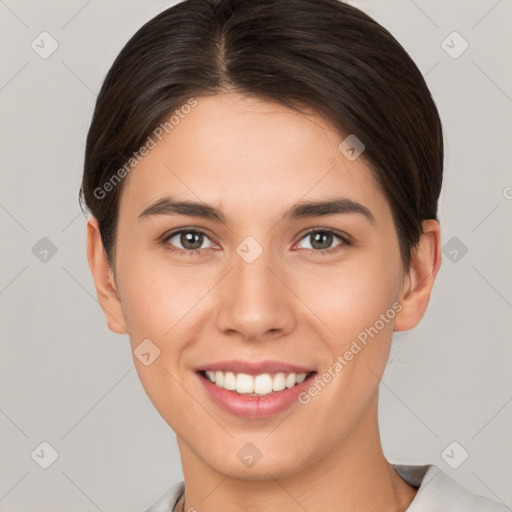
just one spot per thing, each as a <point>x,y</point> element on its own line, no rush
<point>323,54</point>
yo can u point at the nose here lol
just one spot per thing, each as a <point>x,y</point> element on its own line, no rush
<point>255,301</point>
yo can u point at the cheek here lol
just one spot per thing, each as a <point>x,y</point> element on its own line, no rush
<point>358,304</point>
<point>157,295</point>
<point>354,296</point>
<point>161,303</point>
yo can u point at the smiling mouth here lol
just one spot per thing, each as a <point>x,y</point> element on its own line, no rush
<point>255,385</point>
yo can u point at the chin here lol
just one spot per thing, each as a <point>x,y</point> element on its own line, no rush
<point>250,463</point>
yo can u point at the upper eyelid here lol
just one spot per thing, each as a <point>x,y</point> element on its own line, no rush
<point>335,232</point>
<point>165,238</point>
<point>344,237</point>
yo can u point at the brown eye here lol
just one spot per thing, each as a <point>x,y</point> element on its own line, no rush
<point>187,240</point>
<point>321,240</point>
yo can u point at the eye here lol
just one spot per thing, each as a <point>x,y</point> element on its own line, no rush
<point>322,239</point>
<point>190,240</point>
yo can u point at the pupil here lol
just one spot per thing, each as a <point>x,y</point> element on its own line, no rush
<point>187,238</point>
<point>317,237</point>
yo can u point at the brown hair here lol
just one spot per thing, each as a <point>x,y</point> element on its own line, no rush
<point>324,54</point>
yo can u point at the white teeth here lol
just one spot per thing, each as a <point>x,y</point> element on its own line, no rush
<point>263,384</point>
<point>244,383</point>
<point>279,382</point>
<point>301,377</point>
<point>290,380</point>
<point>229,381</point>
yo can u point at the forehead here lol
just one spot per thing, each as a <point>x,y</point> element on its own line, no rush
<point>249,154</point>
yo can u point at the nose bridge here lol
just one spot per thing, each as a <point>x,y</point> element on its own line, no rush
<point>254,300</point>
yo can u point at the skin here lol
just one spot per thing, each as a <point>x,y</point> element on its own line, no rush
<point>253,159</point>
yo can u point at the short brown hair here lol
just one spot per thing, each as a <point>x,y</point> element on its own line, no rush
<point>324,54</point>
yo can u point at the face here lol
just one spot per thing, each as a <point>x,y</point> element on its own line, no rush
<point>250,281</point>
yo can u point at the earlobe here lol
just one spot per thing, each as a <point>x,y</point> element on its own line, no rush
<point>102,274</point>
<point>417,286</point>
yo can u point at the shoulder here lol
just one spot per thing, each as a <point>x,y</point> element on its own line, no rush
<point>438,491</point>
<point>168,501</point>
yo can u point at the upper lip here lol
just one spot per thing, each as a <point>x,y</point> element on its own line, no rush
<point>255,368</point>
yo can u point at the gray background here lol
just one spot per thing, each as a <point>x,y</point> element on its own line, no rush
<point>66,380</point>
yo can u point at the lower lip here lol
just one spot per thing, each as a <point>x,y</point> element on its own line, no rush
<point>255,407</point>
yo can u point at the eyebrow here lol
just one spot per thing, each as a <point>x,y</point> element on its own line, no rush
<point>304,209</point>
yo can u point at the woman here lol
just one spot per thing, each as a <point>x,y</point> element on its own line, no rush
<point>263,179</point>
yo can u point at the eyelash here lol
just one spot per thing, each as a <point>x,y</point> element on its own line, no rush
<point>318,252</point>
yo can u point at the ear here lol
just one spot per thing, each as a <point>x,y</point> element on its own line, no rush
<point>104,279</point>
<point>418,283</point>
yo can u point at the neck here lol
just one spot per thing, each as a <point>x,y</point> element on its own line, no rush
<point>353,476</point>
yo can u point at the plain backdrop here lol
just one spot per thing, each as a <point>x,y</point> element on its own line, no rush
<point>69,382</point>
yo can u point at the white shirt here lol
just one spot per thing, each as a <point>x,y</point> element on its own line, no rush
<point>437,492</point>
